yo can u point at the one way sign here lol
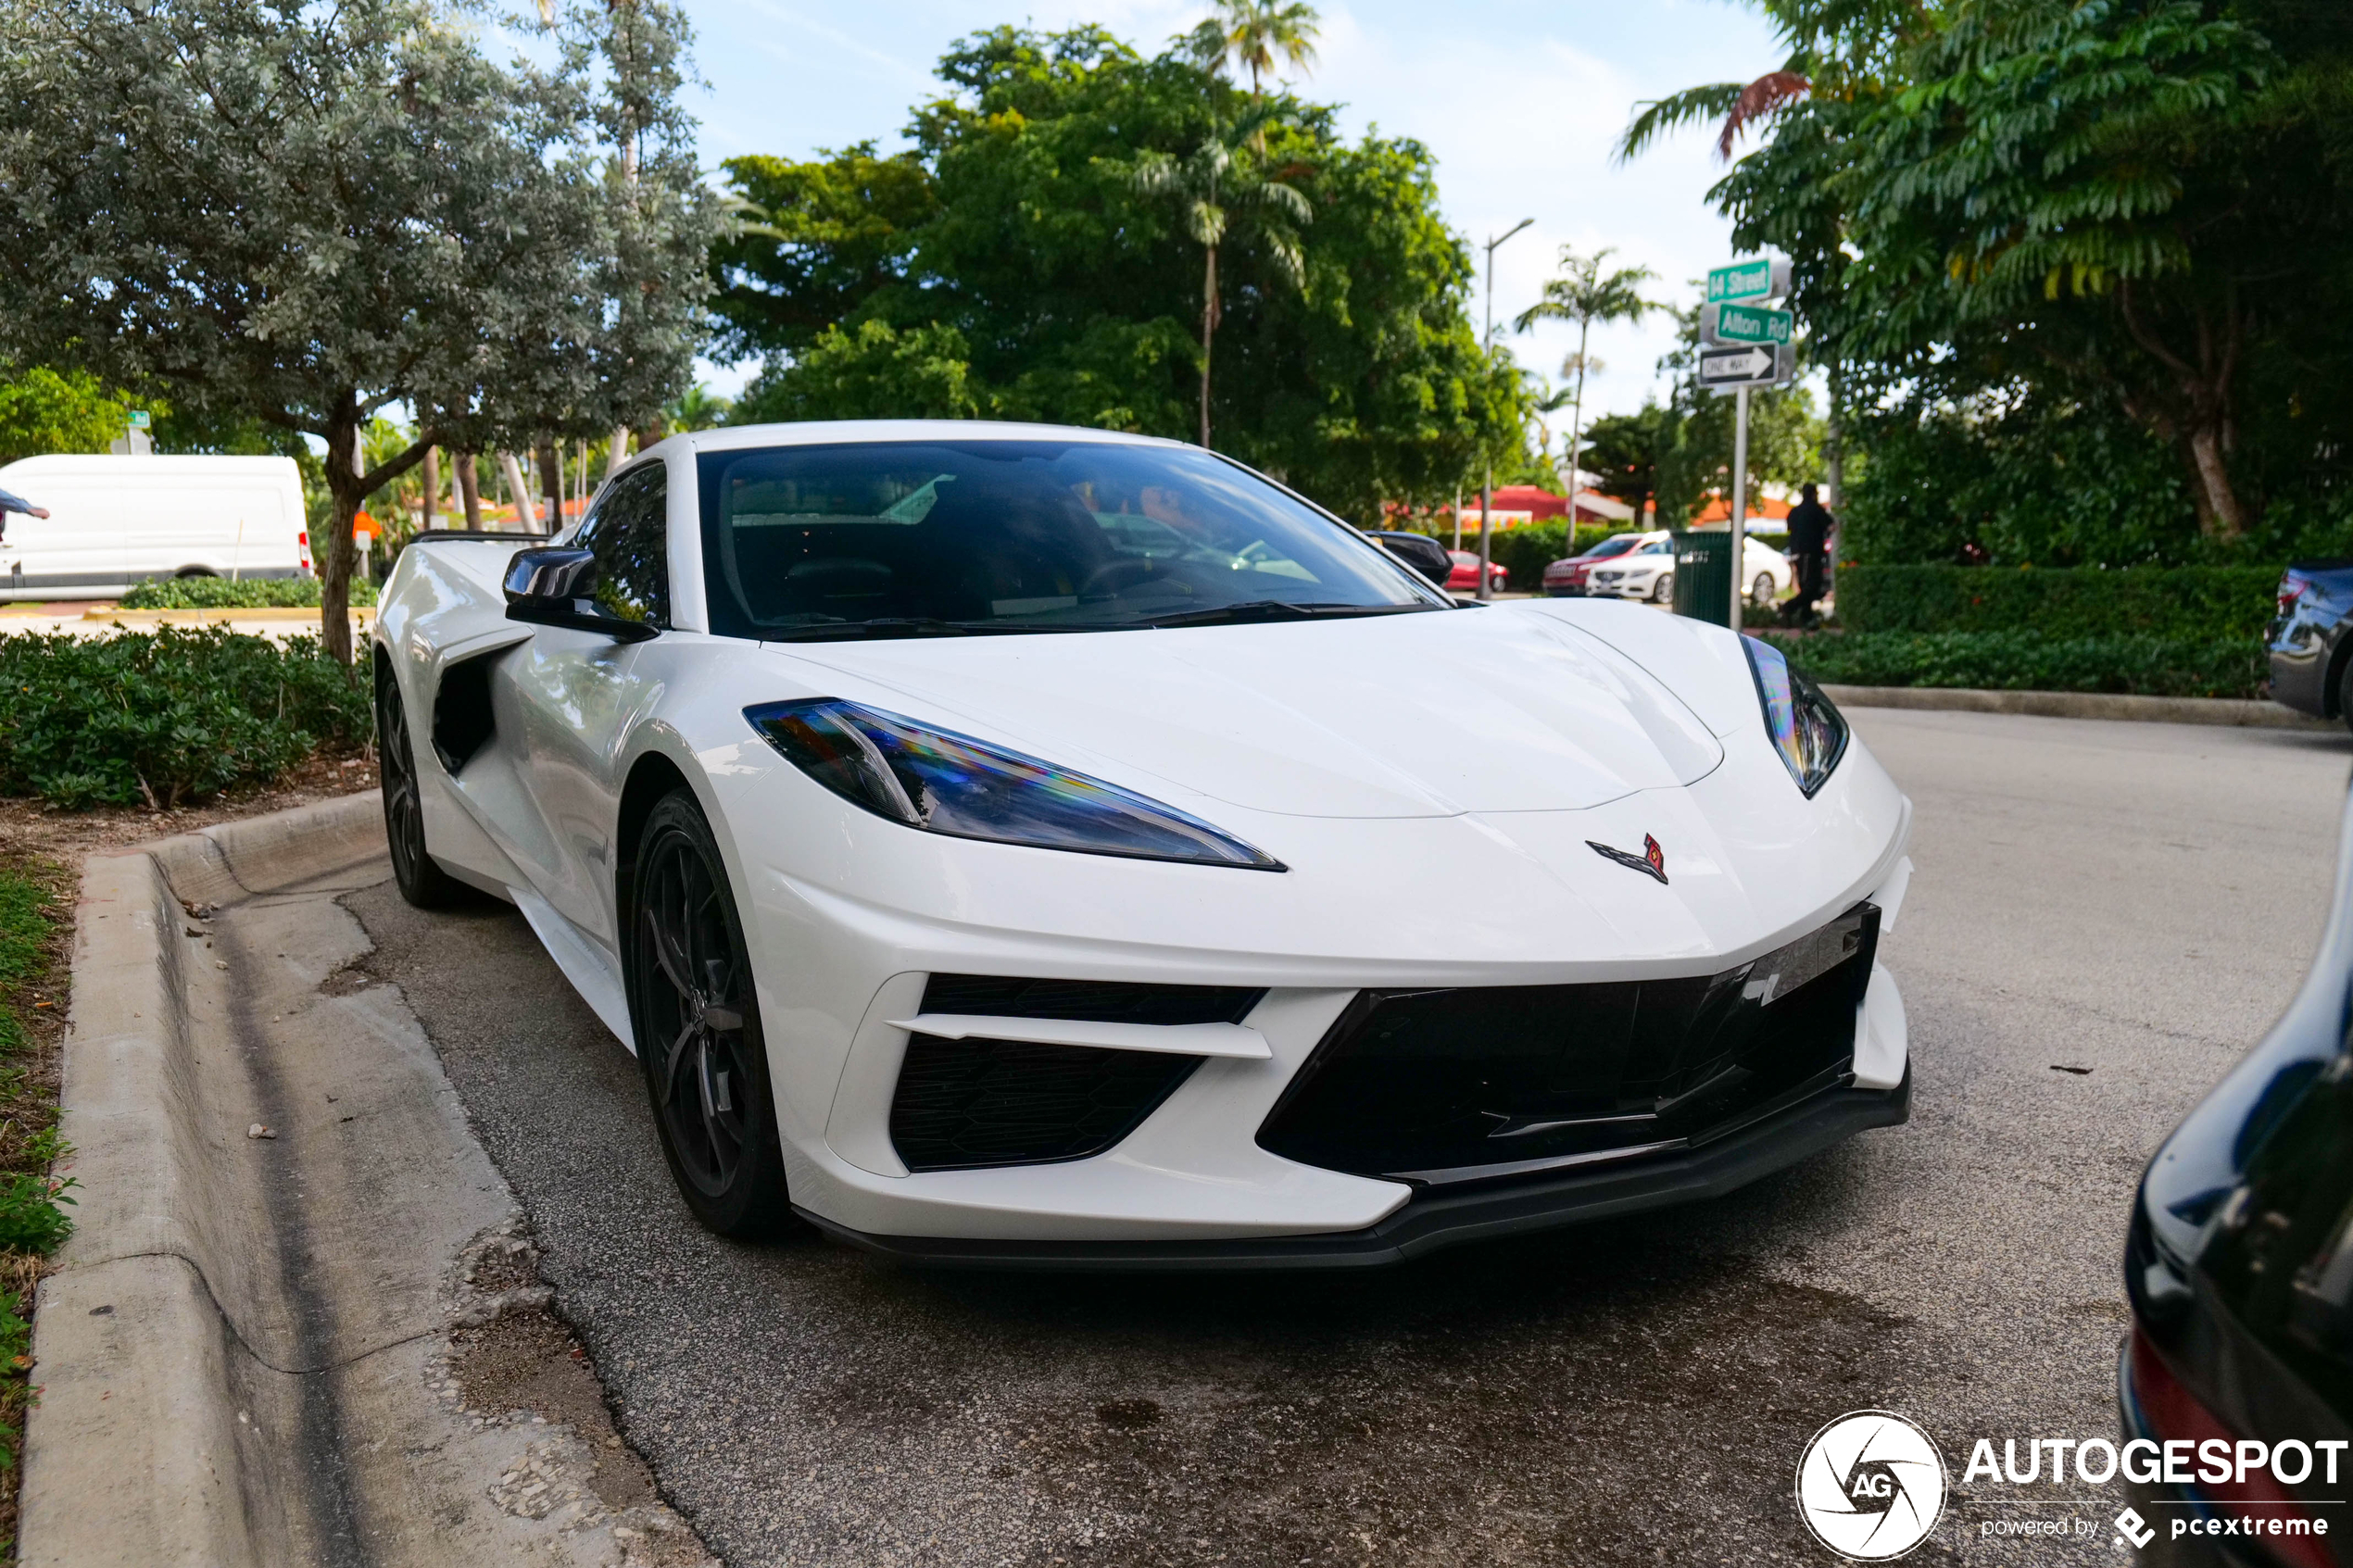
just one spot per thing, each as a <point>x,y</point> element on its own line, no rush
<point>1728,369</point>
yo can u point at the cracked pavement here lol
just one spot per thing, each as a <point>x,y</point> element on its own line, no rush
<point>2134,900</point>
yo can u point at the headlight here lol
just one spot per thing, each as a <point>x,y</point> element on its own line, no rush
<point>1808,730</point>
<point>950,783</point>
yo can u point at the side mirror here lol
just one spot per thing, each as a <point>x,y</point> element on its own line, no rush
<point>558,588</point>
<point>1426,557</point>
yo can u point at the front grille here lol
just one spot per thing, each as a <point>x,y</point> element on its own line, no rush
<point>1481,1083</point>
<point>964,1104</point>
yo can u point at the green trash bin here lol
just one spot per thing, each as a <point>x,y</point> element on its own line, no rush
<point>1704,577</point>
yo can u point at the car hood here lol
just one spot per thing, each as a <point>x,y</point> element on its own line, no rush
<point>1418,715</point>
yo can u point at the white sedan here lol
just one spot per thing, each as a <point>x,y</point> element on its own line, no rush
<point>1021,846</point>
<point>1647,571</point>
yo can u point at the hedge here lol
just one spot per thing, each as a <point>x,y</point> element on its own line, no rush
<point>2188,604</point>
<point>2029,662</point>
<point>169,715</point>
<point>251,592</point>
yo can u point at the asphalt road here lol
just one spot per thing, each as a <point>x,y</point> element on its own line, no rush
<point>2137,900</point>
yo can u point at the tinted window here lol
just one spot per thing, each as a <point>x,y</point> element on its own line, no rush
<point>1616,545</point>
<point>629,535</point>
<point>1017,536</point>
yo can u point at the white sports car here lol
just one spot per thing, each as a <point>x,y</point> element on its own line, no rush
<point>1020,845</point>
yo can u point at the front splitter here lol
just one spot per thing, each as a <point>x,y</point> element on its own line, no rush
<point>1438,1219</point>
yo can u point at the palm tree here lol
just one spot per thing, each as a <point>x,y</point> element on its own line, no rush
<point>1254,32</point>
<point>1544,400</point>
<point>1215,184</point>
<point>1585,293</point>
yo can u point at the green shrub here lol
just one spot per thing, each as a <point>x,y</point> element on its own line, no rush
<point>2026,661</point>
<point>251,592</point>
<point>31,1217</point>
<point>168,715</point>
<point>2181,603</point>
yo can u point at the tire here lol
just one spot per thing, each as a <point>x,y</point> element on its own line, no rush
<point>2345,694</point>
<point>421,880</point>
<point>697,1018</point>
<point>1663,589</point>
<point>1761,591</point>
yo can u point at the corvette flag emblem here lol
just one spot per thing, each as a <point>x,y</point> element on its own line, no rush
<point>1652,861</point>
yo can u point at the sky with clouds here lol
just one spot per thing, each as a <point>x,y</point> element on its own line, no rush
<point>1520,102</point>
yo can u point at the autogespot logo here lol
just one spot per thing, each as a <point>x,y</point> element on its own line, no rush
<point>1870,1485</point>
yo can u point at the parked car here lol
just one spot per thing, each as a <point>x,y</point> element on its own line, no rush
<point>1464,578</point>
<point>1646,570</point>
<point>2239,1268</point>
<point>977,884</point>
<point>1422,552</point>
<point>114,522</point>
<point>2310,654</point>
<point>1565,579</point>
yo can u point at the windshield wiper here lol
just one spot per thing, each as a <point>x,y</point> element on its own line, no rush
<point>1275,609</point>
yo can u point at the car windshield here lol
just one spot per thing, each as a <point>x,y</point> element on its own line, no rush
<point>1616,545</point>
<point>925,538</point>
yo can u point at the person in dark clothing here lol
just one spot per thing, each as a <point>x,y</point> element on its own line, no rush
<point>1810,524</point>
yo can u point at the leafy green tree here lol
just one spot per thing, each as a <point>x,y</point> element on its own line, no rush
<point>697,407</point>
<point>46,410</point>
<point>1044,284</point>
<point>813,242</point>
<point>1621,453</point>
<point>2131,211</point>
<point>874,372</point>
<point>1215,185</point>
<point>304,216</point>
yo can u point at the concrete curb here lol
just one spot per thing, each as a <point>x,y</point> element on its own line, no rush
<point>2082,705</point>
<point>137,1452</point>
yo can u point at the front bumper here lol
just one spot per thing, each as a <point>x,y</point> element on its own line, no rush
<point>1444,1218</point>
<point>2298,654</point>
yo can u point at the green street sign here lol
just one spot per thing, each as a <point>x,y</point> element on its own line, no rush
<point>1762,279</point>
<point>1741,280</point>
<point>140,421</point>
<point>1748,323</point>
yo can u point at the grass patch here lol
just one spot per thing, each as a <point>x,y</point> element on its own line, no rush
<point>35,898</point>
<point>249,592</point>
<point>2028,661</point>
<point>169,716</point>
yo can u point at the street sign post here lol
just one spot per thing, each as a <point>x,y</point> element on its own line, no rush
<point>1745,344</point>
<point>1746,323</point>
<point>140,419</point>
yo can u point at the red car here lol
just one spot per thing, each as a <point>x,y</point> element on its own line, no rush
<point>1567,579</point>
<point>1466,575</point>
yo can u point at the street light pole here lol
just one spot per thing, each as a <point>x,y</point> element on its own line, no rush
<point>1487,490</point>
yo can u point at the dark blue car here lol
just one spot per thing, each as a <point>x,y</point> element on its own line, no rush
<point>2311,654</point>
<point>2236,1385</point>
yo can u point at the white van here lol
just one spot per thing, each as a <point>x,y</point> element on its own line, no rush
<point>115,520</point>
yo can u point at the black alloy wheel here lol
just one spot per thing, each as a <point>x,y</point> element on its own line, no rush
<point>422,881</point>
<point>697,1018</point>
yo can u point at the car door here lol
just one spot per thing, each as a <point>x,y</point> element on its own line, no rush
<point>576,695</point>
